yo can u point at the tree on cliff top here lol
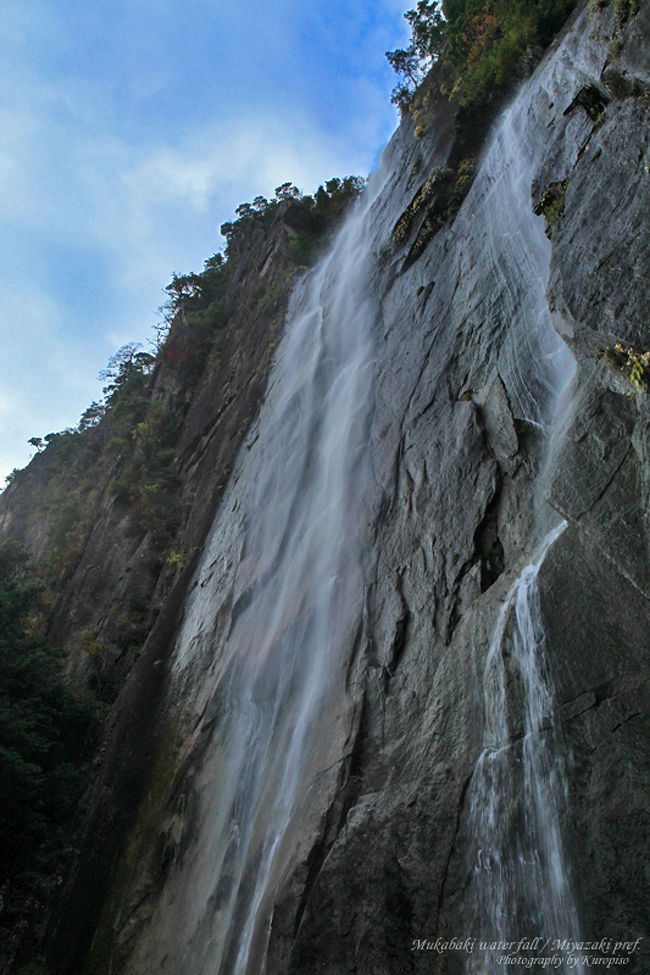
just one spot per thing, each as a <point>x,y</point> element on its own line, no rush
<point>489,43</point>
<point>426,46</point>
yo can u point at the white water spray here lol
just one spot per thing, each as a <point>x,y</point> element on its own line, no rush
<point>269,625</point>
<point>520,883</point>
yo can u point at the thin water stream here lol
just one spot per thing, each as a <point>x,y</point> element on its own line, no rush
<point>520,883</point>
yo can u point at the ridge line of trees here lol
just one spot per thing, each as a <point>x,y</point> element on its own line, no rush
<point>203,292</point>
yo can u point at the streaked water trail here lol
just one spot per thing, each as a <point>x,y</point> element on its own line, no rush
<point>275,603</point>
<point>520,883</point>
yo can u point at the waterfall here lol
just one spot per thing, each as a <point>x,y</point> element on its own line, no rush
<point>269,623</point>
<point>519,879</point>
<point>262,662</point>
<point>520,884</point>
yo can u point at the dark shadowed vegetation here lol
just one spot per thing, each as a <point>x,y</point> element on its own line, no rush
<point>47,735</point>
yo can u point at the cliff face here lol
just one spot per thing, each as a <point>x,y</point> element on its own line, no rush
<point>406,700</point>
<point>113,575</point>
<point>118,588</point>
<point>459,450</point>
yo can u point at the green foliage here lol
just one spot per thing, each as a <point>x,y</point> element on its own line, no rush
<point>92,416</point>
<point>551,203</point>
<point>47,734</point>
<point>329,200</point>
<point>436,202</point>
<point>634,365</point>
<point>66,538</point>
<point>465,174</point>
<point>125,371</point>
<point>428,39</point>
<point>149,480</point>
<point>62,448</point>
<point>624,10</point>
<point>252,217</point>
<point>323,208</point>
<point>489,44</point>
<point>175,559</point>
<point>303,248</point>
<point>419,203</point>
<point>89,645</point>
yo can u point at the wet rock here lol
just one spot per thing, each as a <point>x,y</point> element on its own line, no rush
<point>468,371</point>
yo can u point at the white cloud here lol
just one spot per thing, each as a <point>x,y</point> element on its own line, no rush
<point>131,207</point>
<point>149,210</point>
<point>37,363</point>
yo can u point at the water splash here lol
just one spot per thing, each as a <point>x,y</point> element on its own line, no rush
<point>520,883</point>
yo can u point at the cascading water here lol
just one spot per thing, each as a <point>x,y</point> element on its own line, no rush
<point>519,888</point>
<point>290,525</point>
<point>263,657</point>
<point>535,364</point>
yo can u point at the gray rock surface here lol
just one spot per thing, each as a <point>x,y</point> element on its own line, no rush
<point>465,476</point>
<point>484,433</point>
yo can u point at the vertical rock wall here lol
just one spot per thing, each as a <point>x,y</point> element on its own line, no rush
<point>476,448</point>
<point>464,485</point>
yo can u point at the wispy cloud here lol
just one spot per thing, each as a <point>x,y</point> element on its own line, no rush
<point>128,133</point>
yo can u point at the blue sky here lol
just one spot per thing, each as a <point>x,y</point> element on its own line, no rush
<point>129,131</point>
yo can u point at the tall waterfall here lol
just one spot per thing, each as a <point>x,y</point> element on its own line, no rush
<point>283,559</point>
<point>519,882</point>
<point>263,656</point>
